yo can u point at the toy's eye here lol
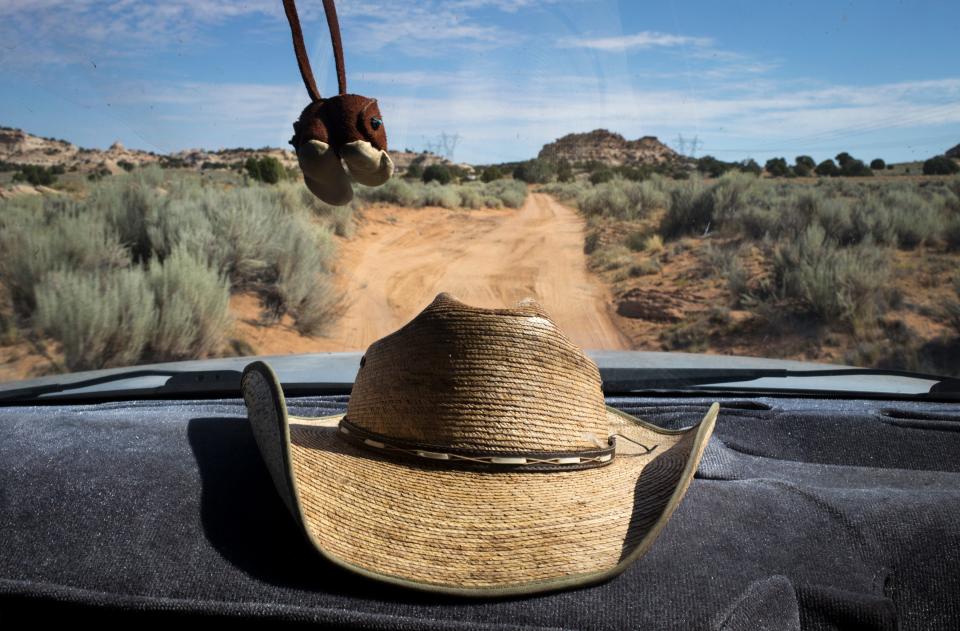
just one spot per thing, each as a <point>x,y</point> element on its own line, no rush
<point>375,122</point>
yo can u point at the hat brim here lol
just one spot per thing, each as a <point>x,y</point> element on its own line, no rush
<point>468,532</point>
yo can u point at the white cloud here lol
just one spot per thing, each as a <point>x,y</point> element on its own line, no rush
<point>636,41</point>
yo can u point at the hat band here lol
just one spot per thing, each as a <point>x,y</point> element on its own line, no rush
<point>473,460</point>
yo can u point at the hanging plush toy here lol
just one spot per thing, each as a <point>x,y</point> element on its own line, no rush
<point>346,126</point>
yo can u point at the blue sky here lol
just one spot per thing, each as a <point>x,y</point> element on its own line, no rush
<point>757,79</point>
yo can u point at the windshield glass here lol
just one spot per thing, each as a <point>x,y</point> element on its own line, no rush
<point>777,181</point>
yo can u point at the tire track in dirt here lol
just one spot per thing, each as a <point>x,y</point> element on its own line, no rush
<point>400,259</point>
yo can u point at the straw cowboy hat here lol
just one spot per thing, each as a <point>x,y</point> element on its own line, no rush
<point>476,457</point>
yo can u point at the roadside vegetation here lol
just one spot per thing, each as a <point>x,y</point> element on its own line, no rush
<point>853,270</point>
<point>142,267</point>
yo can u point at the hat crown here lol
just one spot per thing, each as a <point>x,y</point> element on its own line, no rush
<point>486,380</point>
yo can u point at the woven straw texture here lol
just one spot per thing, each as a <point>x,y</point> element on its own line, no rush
<point>489,381</point>
<point>480,530</point>
<point>482,379</point>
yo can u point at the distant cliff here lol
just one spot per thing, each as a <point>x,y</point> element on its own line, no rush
<point>608,147</point>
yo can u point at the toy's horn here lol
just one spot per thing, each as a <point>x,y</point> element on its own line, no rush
<point>323,173</point>
<point>367,164</point>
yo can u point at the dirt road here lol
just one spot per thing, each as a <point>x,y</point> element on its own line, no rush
<point>401,258</point>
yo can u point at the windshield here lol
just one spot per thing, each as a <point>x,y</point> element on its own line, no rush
<point>776,181</point>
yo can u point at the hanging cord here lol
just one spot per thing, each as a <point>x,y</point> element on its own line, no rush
<point>331,10</point>
<point>303,62</point>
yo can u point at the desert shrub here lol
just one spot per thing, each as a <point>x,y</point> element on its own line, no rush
<point>492,173</point>
<point>940,165</point>
<point>757,222</point>
<point>591,242</point>
<point>439,173</point>
<point>737,278</point>
<point>777,167</point>
<point>895,217</point>
<point>414,171</point>
<point>472,197</point>
<point>951,232</point>
<point>39,237</point>
<point>36,175</point>
<point>265,169</point>
<point>644,268</point>
<point>510,192</point>
<point>102,318</point>
<point>622,199</point>
<point>636,240</point>
<point>394,191</point>
<point>827,168</point>
<point>436,195</point>
<point>337,218</point>
<point>835,284</point>
<point>911,218</point>
<point>564,171</point>
<point>953,307</point>
<point>303,288</point>
<point>566,192</point>
<point>534,171</point>
<point>601,175</point>
<point>690,209</point>
<point>710,166</point>
<point>731,195</point>
<point>610,257</point>
<point>192,307</point>
<point>877,164</point>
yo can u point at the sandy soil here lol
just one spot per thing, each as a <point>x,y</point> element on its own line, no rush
<point>400,259</point>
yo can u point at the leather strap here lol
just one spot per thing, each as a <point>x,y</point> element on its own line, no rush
<point>447,457</point>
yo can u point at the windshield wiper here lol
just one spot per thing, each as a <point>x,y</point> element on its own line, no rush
<point>626,380</point>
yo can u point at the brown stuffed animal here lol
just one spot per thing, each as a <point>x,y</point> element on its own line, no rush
<point>346,126</point>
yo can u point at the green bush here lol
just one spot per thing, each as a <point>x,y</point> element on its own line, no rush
<point>265,169</point>
<point>439,173</point>
<point>535,171</point>
<point>777,167</point>
<point>414,171</point>
<point>690,210</point>
<point>192,302</point>
<point>951,232</point>
<point>36,175</point>
<point>38,237</point>
<point>564,171</point>
<point>708,165</point>
<point>622,199</point>
<point>827,168</point>
<point>835,284</point>
<point>953,307</point>
<point>492,173</point>
<point>940,165</point>
<point>101,318</point>
<point>395,191</point>
<point>601,175</point>
<point>444,196</point>
<point>510,192</point>
<point>610,257</point>
<point>877,164</point>
<point>566,192</point>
